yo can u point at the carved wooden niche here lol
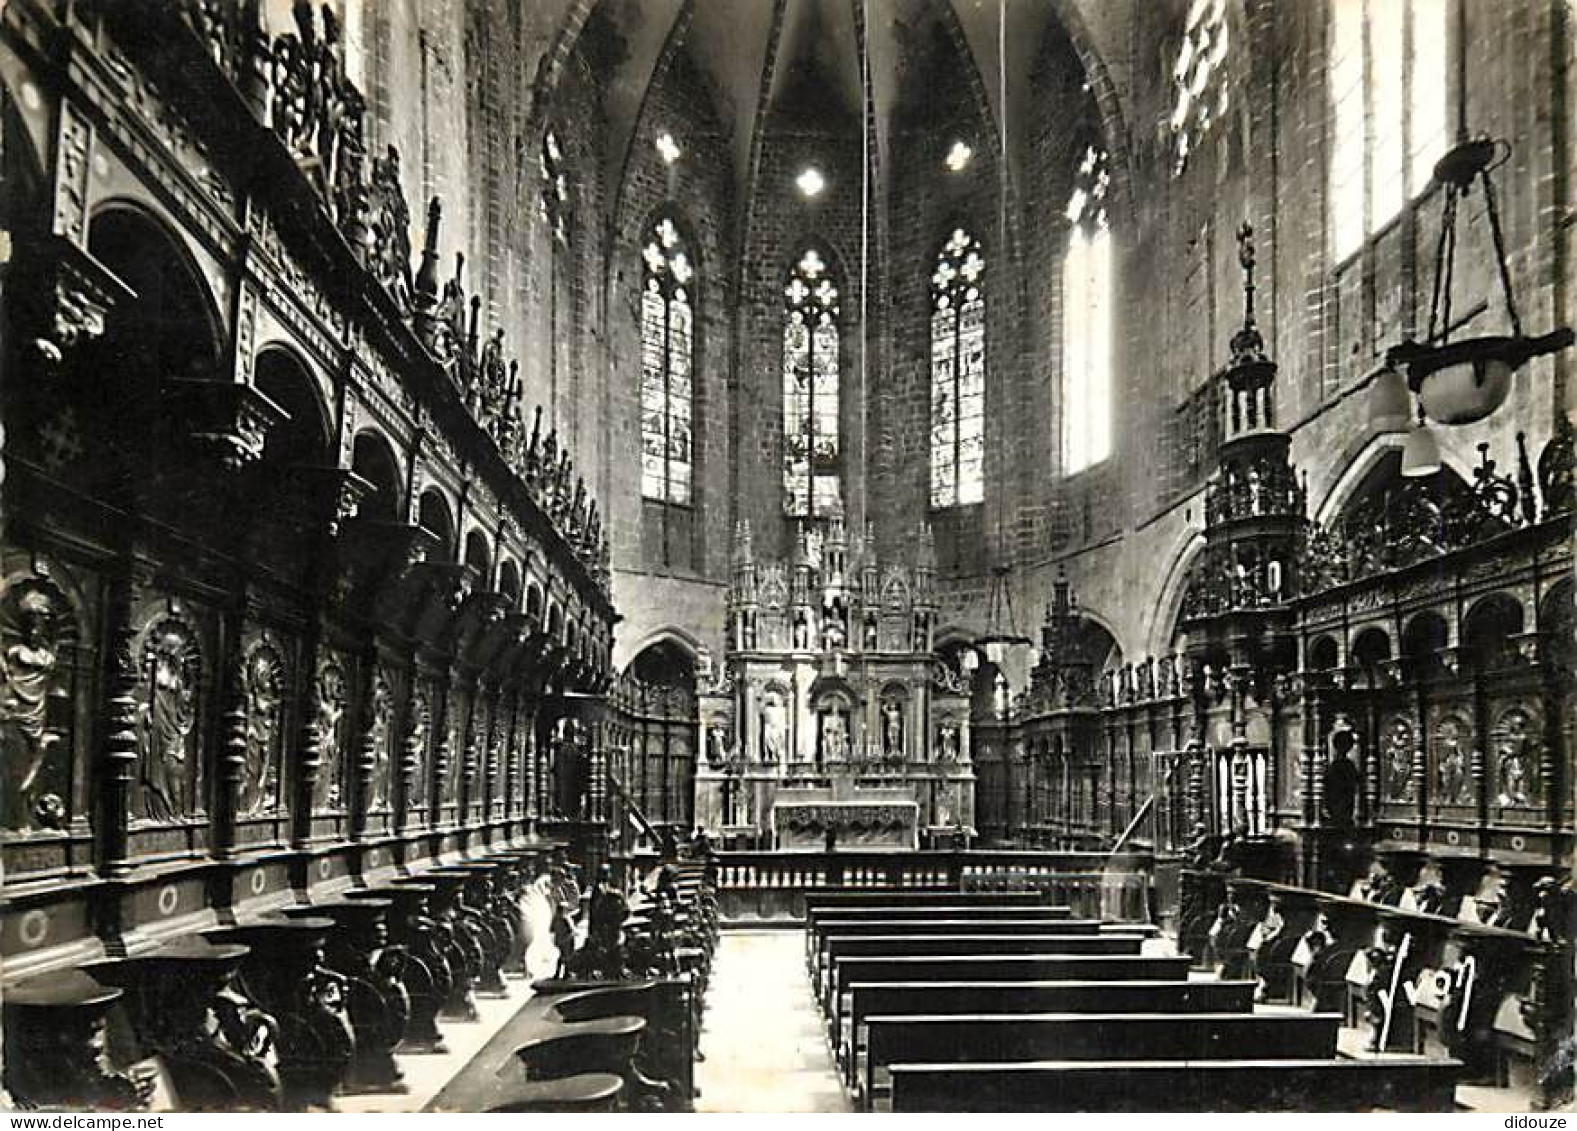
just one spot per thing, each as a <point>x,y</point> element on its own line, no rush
<point>264,685</point>
<point>1516,782</point>
<point>40,628</point>
<point>380,733</point>
<point>170,774</point>
<point>1451,758</point>
<point>1396,759</point>
<point>329,700</point>
<point>415,752</point>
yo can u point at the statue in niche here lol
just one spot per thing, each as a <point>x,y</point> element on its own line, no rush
<point>834,632</point>
<point>949,742</point>
<point>774,728</point>
<point>834,735</point>
<point>1399,761</point>
<point>892,729</point>
<point>1000,701</point>
<point>382,712</point>
<point>1515,780</point>
<point>329,722</point>
<point>1340,780</point>
<point>416,739</point>
<point>801,630</point>
<point>1451,772</point>
<point>263,693</point>
<point>166,760</point>
<point>35,704</point>
<point>870,632</point>
<point>716,745</point>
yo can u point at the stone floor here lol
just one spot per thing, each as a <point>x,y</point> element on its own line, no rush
<point>762,1035</point>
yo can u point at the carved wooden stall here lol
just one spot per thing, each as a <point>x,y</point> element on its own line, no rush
<point>295,601</point>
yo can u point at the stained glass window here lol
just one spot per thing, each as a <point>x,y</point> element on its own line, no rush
<point>958,372</point>
<point>667,401</point>
<point>1086,319</point>
<point>1200,93</point>
<point>1388,92</point>
<point>812,485</point>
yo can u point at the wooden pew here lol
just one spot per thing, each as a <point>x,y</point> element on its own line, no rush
<point>816,917</point>
<point>962,924</point>
<point>997,968</point>
<point>836,947</point>
<point>1396,1083</point>
<point>1089,1036</point>
<point>948,998</point>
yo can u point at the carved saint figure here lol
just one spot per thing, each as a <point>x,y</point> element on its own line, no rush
<point>262,692</point>
<point>1399,761</point>
<point>834,736</point>
<point>329,723</point>
<point>30,685</point>
<point>168,719</point>
<point>378,739</point>
<point>1451,773</point>
<point>416,737</point>
<point>892,729</point>
<point>1516,781</point>
<point>949,742</point>
<point>716,745</point>
<point>774,728</point>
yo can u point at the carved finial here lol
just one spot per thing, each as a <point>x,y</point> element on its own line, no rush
<point>426,285</point>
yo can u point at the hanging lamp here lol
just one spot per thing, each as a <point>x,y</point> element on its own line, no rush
<point>1463,381</point>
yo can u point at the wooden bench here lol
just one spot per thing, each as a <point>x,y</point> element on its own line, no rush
<point>997,968</point>
<point>1396,1083</point>
<point>816,920</point>
<point>834,948</point>
<point>948,998</point>
<point>1090,1036</point>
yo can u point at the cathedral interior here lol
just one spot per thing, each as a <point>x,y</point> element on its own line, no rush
<point>549,549</point>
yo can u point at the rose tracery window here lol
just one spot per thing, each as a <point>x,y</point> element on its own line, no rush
<point>667,395</point>
<point>812,477</point>
<point>1086,319</point>
<point>958,372</point>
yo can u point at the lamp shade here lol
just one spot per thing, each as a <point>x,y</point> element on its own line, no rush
<point>1468,389</point>
<point>1390,405</point>
<point>1420,452</point>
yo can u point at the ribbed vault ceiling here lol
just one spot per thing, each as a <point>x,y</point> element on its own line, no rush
<point>753,52</point>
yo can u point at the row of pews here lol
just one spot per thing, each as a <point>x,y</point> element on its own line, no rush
<point>980,1001</point>
<point>295,1007</point>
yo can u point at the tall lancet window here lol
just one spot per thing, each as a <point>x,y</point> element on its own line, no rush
<point>958,372</point>
<point>1087,320</point>
<point>667,394</point>
<point>812,486</point>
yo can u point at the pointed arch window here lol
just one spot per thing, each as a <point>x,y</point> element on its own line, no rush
<point>1086,319</point>
<point>667,389</point>
<point>958,372</point>
<point>812,461</point>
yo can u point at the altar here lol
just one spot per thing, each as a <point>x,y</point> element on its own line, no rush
<point>831,714</point>
<point>816,823</point>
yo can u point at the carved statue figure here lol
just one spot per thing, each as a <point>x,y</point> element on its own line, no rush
<point>774,728</point>
<point>168,719</point>
<point>1451,774</point>
<point>262,692</point>
<point>949,743</point>
<point>834,735</point>
<point>801,630</point>
<point>30,685</point>
<point>892,729</point>
<point>716,745</point>
<point>1399,761</point>
<point>1511,772</point>
<point>329,721</point>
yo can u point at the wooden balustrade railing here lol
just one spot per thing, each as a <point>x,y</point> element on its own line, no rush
<point>771,885</point>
